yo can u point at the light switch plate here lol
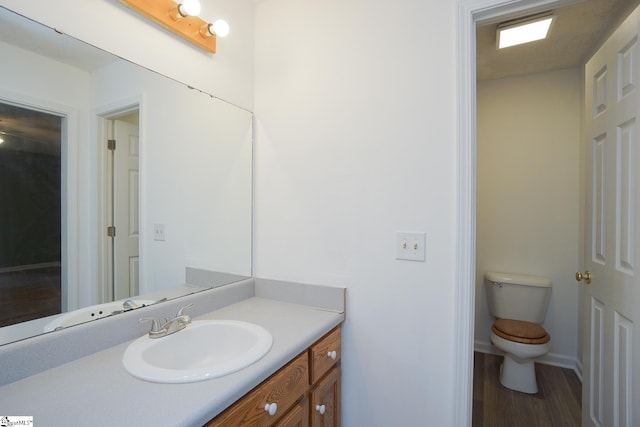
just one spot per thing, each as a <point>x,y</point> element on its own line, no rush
<point>158,232</point>
<point>411,246</point>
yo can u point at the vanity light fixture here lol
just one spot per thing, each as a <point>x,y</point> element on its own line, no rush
<point>189,8</point>
<point>524,30</point>
<point>181,20</point>
<point>219,28</point>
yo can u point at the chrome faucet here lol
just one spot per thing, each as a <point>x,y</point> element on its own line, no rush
<point>126,306</point>
<point>178,323</point>
<point>129,305</point>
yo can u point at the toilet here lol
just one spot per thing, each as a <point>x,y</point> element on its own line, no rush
<point>519,304</point>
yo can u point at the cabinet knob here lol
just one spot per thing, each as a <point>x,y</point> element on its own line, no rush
<point>271,408</point>
<point>332,354</point>
<point>321,408</point>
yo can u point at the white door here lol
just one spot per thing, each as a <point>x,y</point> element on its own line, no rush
<point>125,208</point>
<point>611,352</point>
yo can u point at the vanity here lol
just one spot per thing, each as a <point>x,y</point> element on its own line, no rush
<point>309,384</point>
<point>297,382</point>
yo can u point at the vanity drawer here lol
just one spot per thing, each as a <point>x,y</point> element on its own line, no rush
<point>324,354</point>
<point>283,389</point>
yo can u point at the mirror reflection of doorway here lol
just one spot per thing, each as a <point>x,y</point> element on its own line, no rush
<point>122,206</point>
<point>30,213</point>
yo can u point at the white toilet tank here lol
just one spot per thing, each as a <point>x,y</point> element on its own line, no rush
<point>517,296</point>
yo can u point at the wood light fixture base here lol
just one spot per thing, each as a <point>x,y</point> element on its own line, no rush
<point>165,13</point>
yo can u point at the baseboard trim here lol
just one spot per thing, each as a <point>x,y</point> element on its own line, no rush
<point>552,359</point>
<point>487,348</point>
<point>29,267</point>
<point>578,369</point>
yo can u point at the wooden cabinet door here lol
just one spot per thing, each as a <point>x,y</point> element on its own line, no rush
<point>298,416</point>
<point>282,390</point>
<point>325,401</point>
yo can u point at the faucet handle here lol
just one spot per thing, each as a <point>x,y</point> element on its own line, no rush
<point>155,326</point>
<point>181,311</point>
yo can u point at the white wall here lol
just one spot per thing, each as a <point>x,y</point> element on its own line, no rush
<point>528,195</point>
<point>34,77</point>
<point>355,139</point>
<point>111,26</point>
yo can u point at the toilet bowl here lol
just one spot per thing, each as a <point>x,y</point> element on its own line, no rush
<point>522,342</point>
<point>519,303</point>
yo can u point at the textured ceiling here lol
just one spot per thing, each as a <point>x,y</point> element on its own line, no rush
<point>576,33</point>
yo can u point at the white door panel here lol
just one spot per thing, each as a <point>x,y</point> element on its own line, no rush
<point>611,391</point>
<point>126,209</point>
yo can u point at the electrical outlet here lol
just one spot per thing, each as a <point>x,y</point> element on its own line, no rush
<point>410,246</point>
<point>158,232</point>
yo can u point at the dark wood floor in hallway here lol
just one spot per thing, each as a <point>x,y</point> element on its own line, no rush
<point>557,403</point>
<point>29,294</point>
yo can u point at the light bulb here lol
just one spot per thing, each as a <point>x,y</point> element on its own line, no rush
<point>220,28</point>
<point>190,8</point>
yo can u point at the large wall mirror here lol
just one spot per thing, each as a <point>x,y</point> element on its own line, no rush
<point>93,230</point>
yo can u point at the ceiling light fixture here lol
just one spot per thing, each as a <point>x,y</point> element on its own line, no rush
<point>181,19</point>
<point>524,30</point>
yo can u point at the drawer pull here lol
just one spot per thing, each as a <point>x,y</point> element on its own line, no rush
<point>271,408</point>
<point>332,354</point>
<point>321,409</point>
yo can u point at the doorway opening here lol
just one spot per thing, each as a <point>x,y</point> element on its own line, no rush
<point>470,16</point>
<point>31,222</point>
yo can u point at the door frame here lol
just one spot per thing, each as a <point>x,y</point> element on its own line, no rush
<point>103,116</point>
<point>471,13</point>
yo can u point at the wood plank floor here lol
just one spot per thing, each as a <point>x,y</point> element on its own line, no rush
<point>557,403</point>
<point>29,294</point>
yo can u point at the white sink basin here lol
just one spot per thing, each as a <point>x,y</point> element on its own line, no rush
<point>88,314</point>
<point>205,349</point>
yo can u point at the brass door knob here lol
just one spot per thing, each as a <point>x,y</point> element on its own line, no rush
<point>586,276</point>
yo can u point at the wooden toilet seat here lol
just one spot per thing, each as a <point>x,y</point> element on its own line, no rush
<point>520,331</point>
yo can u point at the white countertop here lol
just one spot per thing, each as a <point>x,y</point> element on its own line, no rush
<point>96,390</point>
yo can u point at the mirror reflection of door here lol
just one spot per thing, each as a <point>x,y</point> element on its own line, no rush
<point>123,206</point>
<point>30,213</point>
